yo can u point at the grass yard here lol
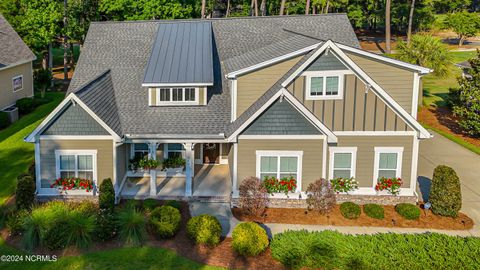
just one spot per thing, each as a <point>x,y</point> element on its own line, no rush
<point>436,89</point>
<point>123,258</point>
<point>16,155</point>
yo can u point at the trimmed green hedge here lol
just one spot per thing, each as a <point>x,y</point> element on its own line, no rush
<point>408,211</point>
<point>4,121</point>
<point>350,210</point>
<point>445,195</point>
<point>249,239</point>
<point>374,211</point>
<point>204,230</point>
<point>333,250</point>
<point>165,221</point>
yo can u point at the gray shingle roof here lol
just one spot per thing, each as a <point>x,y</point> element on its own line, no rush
<point>125,47</point>
<point>12,48</point>
<point>182,53</point>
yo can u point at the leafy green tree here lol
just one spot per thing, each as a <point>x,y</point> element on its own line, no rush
<point>80,14</point>
<point>467,101</point>
<point>428,51</point>
<point>43,79</point>
<point>465,24</point>
<point>118,10</point>
<point>446,6</point>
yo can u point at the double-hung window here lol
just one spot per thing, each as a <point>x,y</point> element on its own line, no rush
<point>140,150</point>
<point>280,164</point>
<point>174,150</point>
<point>187,95</point>
<point>342,162</point>
<point>76,163</point>
<point>324,84</point>
<point>388,162</point>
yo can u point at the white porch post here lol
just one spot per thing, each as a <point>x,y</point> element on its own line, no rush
<point>152,154</point>
<point>189,168</point>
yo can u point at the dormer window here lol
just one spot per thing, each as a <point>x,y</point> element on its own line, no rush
<point>324,84</point>
<point>177,96</point>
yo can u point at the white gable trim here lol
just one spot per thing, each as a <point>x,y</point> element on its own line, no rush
<point>367,80</point>
<point>32,137</point>
<point>297,105</point>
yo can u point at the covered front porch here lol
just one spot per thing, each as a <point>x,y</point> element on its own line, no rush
<point>184,170</point>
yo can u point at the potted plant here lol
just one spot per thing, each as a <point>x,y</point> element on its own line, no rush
<point>148,164</point>
<point>72,183</point>
<point>174,164</point>
<point>284,185</point>
<point>391,185</point>
<point>344,184</point>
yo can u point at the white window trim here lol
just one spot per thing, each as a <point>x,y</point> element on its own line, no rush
<point>76,153</point>
<point>13,86</point>
<point>313,74</point>
<point>177,103</point>
<point>378,151</point>
<point>133,150</point>
<point>350,150</point>
<point>297,154</point>
<point>166,151</point>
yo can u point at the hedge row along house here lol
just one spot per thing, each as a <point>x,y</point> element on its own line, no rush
<point>187,109</point>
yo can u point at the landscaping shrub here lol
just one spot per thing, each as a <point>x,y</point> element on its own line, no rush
<point>175,204</point>
<point>150,204</point>
<point>249,239</point>
<point>445,193</point>
<point>15,221</point>
<point>321,196</point>
<point>165,221</point>
<point>105,225</point>
<point>408,211</point>
<point>106,198</point>
<point>25,192</point>
<point>350,210</point>
<point>4,121</point>
<point>204,230</point>
<point>390,251</point>
<point>131,226</point>
<point>80,229</point>
<point>253,196</point>
<point>25,105</point>
<point>135,204</point>
<point>86,207</point>
<point>374,211</point>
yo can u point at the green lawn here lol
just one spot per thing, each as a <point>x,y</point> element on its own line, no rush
<point>16,155</point>
<point>123,258</point>
<point>436,89</point>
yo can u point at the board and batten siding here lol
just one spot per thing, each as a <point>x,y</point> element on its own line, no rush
<point>47,157</point>
<point>311,161</point>
<point>366,155</point>
<point>396,81</point>
<point>358,110</point>
<point>252,86</point>
<point>7,96</point>
<point>121,165</point>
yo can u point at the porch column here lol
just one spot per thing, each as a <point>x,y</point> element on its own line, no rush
<point>152,154</point>
<point>189,168</point>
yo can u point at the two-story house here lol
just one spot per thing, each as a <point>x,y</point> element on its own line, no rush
<point>266,96</point>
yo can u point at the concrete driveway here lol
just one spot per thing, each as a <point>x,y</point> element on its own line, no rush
<point>441,151</point>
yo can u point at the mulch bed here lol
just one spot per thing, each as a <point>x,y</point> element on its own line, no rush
<point>442,119</point>
<point>392,219</point>
<point>222,255</point>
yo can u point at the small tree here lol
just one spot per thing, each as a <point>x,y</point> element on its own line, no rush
<point>427,51</point>
<point>464,24</point>
<point>445,194</point>
<point>253,196</point>
<point>466,99</point>
<point>106,199</point>
<point>43,79</point>
<point>25,193</point>
<point>321,196</point>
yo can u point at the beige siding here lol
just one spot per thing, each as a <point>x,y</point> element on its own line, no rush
<point>398,82</point>
<point>202,96</point>
<point>252,86</point>
<point>7,96</point>
<point>121,162</point>
<point>366,154</point>
<point>312,157</point>
<point>47,157</point>
<point>153,96</point>
<point>357,111</point>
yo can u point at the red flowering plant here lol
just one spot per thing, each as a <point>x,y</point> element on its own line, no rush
<point>392,185</point>
<point>284,185</point>
<point>73,183</point>
<point>344,184</point>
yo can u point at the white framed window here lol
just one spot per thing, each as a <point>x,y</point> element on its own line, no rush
<point>280,164</point>
<point>325,84</point>
<point>387,163</point>
<point>343,162</point>
<point>76,163</point>
<point>174,150</point>
<point>177,96</point>
<point>139,151</point>
<point>17,83</point>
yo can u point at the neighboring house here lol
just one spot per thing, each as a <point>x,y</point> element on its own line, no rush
<point>16,75</point>
<point>277,96</point>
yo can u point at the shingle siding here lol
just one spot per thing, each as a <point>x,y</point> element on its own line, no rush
<point>326,62</point>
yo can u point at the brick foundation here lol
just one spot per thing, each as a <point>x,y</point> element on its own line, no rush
<point>358,199</point>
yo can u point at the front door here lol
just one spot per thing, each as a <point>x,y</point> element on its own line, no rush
<point>211,152</point>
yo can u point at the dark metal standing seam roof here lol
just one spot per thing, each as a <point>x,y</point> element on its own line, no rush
<point>181,54</point>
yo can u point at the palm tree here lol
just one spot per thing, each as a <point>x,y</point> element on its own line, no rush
<point>263,8</point>
<point>65,42</point>
<point>307,7</point>
<point>282,7</point>
<point>228,9</point>
<point>387,27</point>
<point>204,4</point>
<point>410,21</point>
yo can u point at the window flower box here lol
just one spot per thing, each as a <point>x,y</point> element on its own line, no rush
<point>391,185</point>
<point>344,185</point>
<point>284,185</point>
<point>73,183</point>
